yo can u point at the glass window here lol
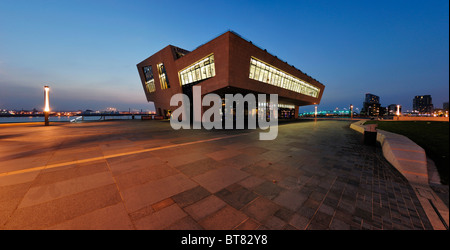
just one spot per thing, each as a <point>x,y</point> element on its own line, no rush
<point>149,80</point>
<point>277,78</point>
<point>190,78</point>
<point>200,70</point>
<point>208,71</point>
<point>148,73</point>
<point>213,70</point>
<point>197,72</point>
<point>262,76</point>
<point>204,68</point>
<point>163,76</point>
<point>252,71</point>
<point>203,72</point>
<point>266,73</point>
<point>194,76</point>
<point>258,69</point>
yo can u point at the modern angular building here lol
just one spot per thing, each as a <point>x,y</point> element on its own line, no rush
<point>227,64</point>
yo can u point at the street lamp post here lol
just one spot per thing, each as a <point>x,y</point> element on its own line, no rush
<point>351,111</point>
<point>47,105</point>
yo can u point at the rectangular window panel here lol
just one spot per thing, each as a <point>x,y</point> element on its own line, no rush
<point>261,75</point>
<point>258,69</point>
<point>252,70</point>
<point>208,71</point>
<point>149,80</point>
<point>264,72</point>
<point>203,72</point>
<point>185,79</point>
<point>197,73</point>
<point>194,76</point>
<point>200,70</point>
<point>213,70</point>
<point>163,76</point>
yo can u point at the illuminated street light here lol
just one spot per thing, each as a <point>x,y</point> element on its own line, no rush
<point>351,111</point>
<point>315,111</point>
<point>47,105</point>
<point>398,110</point>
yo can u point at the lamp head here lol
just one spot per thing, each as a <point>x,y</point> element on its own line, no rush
<point>47,105</point>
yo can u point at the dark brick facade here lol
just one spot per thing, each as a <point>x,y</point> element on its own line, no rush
<point>232,56</point>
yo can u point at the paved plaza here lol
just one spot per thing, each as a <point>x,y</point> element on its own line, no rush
<point>145,175</point>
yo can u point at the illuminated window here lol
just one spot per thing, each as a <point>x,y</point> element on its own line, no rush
<point>286,106</point>
<point>149,81</point>
<point>163,76</point>
<point>265,72</point>
<point>198,71</point>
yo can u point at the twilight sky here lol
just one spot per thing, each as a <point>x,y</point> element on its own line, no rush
<point>87,50</point>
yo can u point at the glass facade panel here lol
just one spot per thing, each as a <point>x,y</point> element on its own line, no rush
<point>200,70</point>
<point>258,69</point>
<point>208,71</point>
<point>252,70</point>
<point>204,72</point>
<point>163,76</point>
<point>149,80</point>
<point>266,73</point>
<point>197,73</point>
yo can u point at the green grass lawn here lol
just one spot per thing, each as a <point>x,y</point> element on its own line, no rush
<point>433,137</point>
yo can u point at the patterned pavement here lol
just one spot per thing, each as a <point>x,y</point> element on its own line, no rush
<point>144,175</point>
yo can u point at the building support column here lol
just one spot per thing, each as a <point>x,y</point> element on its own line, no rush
<point>296,111</point>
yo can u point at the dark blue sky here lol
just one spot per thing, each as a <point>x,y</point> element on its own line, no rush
<point>87,51</point>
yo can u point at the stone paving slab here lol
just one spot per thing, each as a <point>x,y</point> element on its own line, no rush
<point>144,175</point>
<point>411,161</point>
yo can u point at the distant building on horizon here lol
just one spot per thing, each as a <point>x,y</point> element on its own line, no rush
<point>392,109</point>
<point>371,105</point>
<point>445,106</point>
<point>422,104</point>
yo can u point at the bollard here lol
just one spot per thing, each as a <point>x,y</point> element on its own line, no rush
<point>370,134</point>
